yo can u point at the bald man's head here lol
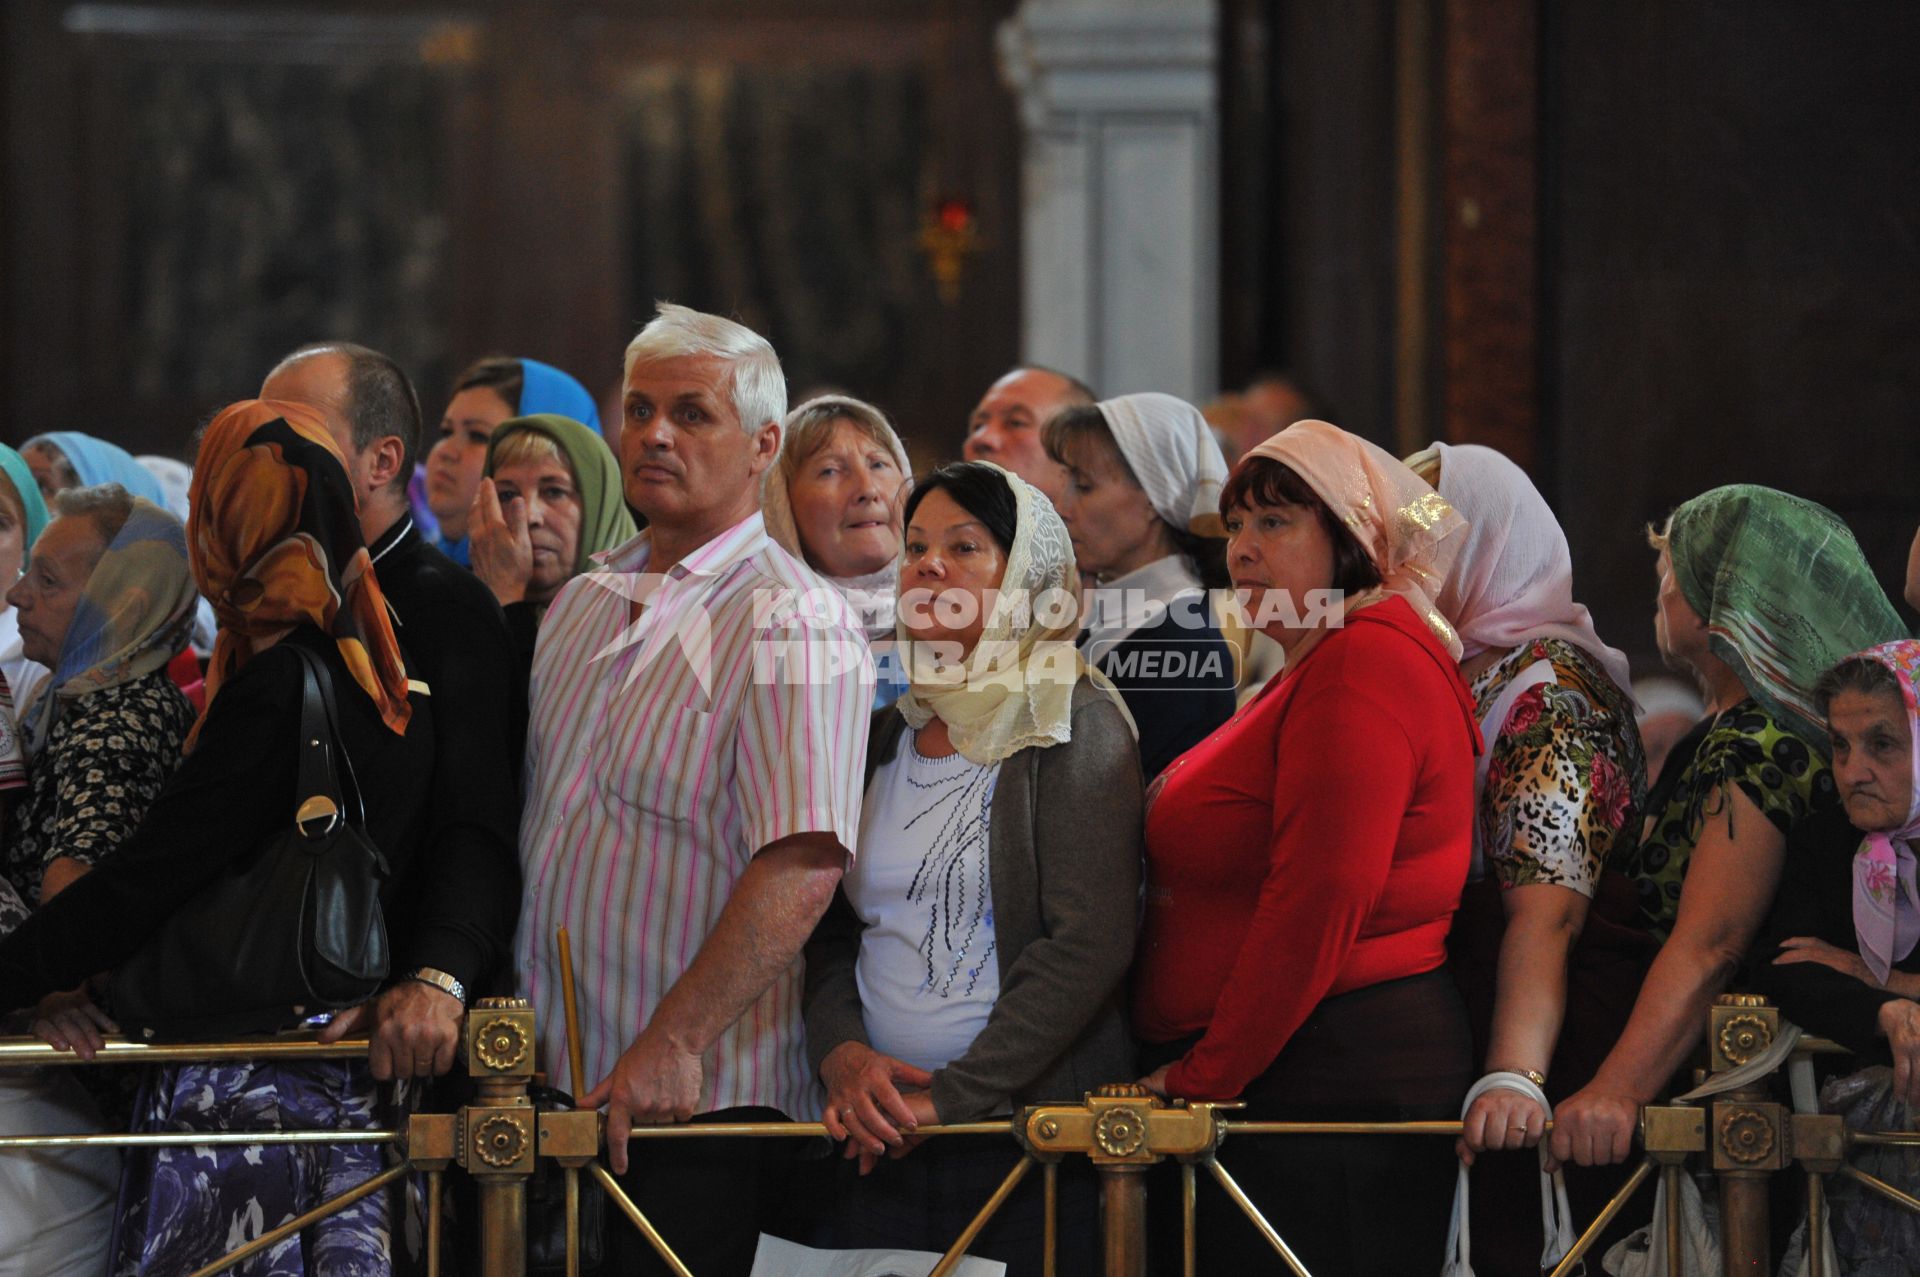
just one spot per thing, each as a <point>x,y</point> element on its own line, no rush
<point>371,411</point>
<point>1005,426</point>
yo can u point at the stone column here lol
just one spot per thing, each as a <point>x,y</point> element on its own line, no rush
<point>1121,225</point>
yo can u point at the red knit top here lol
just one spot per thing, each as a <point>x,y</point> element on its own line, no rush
<point>1314,844</point>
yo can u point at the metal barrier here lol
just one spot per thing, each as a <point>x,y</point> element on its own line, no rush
<point>500,1136</point>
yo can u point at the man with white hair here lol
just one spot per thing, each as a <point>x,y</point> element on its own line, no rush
<point>695,760</point>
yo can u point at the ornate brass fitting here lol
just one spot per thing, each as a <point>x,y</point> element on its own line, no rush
<point>496,1134</point>
<point>1123,1125</point>
<point>1741,1027</point>
<point>499,1038</point>
<point>1750,1135</point>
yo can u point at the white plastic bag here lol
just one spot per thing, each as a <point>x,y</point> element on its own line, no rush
<point>1556,1217</point>
<point>777,1258</point>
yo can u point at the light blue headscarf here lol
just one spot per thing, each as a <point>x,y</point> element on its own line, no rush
<point>96,461</point>
<point>545,389</point>
<point>21,475</point>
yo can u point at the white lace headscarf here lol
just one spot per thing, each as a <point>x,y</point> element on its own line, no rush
<point>1014,690</point>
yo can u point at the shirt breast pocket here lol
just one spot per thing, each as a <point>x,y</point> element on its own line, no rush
<point>673,770</point>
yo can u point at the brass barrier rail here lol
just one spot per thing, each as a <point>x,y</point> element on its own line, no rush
<point>500,1136</point>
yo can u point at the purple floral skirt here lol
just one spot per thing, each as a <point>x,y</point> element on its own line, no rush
<point>182,1208</point>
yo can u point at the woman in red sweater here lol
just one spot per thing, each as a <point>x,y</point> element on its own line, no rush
<point>1305,860</point>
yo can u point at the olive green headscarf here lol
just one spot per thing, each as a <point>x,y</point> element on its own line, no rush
<point>604,520</point>
<point>1784,590</point>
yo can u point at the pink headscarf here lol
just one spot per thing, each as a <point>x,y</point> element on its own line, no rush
<point>1886,898</point>
<point>1407,529</point>
<point>1513,581</point>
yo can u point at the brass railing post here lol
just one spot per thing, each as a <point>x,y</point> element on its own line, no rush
<point>497,1144</point>
<point>1750,1136</point>
<point>1123,1129</point>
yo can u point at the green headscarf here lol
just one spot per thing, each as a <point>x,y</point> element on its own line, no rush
<point>21,476</point>
<point>604,521</point>
<point>1784,590</point>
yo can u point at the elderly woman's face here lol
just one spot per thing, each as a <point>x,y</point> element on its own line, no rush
<point>1112,523</point>
<point>47,596</point>
<point>1281,560</point>
<point>554,514</point>
<point>949,566</point>
<point>1872,757</point>
<point>846,503</point>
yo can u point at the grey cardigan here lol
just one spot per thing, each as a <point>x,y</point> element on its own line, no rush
<point>1064,851</point>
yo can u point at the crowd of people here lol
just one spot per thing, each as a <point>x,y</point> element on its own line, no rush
<point>891,801</point>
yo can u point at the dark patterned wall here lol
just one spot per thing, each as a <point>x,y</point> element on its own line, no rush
<point>271,205</point>
<point>1734,233</point>
<point>788,198</point>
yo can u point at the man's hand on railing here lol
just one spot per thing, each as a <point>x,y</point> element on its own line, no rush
<point>865,1104</point>
<point>413,1030</point>
<point>71,1022</point>
<point>655,1080</point>
<point>1593,1127</point>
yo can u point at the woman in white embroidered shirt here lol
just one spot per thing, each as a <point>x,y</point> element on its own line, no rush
<point>972,961</point>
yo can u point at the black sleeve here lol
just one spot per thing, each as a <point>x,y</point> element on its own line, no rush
<point>523,634</point>
<point>465,895</point>
<point>1815,899</point>
<point>228,794</point>
<point>1174,711</point>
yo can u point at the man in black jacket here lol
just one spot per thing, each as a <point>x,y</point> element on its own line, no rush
<point>454,923</point>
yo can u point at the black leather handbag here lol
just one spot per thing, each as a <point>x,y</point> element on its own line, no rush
<point>289,930</point>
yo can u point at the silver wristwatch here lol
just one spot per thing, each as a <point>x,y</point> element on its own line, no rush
<point>442,981</point>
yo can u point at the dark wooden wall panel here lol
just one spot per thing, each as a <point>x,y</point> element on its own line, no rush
<point>190,189</point>
<point>1734,221</point>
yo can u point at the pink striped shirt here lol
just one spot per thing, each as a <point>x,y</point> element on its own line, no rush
<point>648,794</point>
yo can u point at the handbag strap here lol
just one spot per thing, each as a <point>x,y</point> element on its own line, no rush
<point>320,807</point>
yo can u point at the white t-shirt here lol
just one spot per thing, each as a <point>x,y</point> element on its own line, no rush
<point>929,970</point>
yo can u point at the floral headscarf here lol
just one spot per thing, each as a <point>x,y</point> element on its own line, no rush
<point>276,543</point>
<point>1409,532</point>
<point>135,614</point>
<point>1015,689</point>
<point>1886,898</point>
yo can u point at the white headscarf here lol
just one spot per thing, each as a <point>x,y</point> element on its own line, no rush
<point>870,595</point>
<point>1174,455</point>
<point>1513,580</point>
<point>1015,689</point>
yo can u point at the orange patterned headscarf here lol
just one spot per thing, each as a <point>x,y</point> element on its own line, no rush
<point>275,543</point>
